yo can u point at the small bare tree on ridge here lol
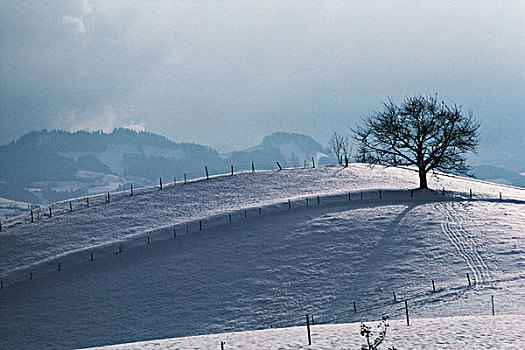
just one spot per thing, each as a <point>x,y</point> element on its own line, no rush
<point>339,146</point>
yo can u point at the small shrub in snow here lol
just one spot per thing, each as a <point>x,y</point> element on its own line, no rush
<point>367,332</point>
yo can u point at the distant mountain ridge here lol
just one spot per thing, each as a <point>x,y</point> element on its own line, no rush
<point>46,166</point>
<point>499,175</point>
<point>290,149</point>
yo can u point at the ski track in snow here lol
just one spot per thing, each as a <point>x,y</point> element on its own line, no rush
<point>464,242</point>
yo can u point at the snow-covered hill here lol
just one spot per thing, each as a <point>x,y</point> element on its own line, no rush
<point>271,264</point>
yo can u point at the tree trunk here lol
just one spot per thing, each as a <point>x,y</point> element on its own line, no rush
<point>422,179</point>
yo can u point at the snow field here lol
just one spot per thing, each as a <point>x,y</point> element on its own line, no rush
<point>265,270</point>
<point>26,244</point>
<point>482,332</point>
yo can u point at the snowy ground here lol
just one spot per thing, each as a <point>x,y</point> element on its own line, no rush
<point>481,332</point>
<point>266,268</point>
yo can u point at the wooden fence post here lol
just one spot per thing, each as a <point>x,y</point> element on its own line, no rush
<point>492,302</point>
<point>349,198</point>
<point>313,162</point>
<point>279,165</point>
<point>131,190</point>
<point>160,182</point>
<point>59,267</point>
<point>230,217</point>
<point>245,213</point>
<point>395,300</point>
<point>174,233</point>
<point>87,201</point>
<point>207,176</point>
<point>253,167</point>
<point>411,193</point>
<point>232,170</point>
<point>433,286</point>
<point>174,181</point>
<point>379,194</point>
<point>443,191</point>
<point>468,279</point>
<point>289,205</point>
<point>306,201</point>
<point>470,194</point>
<point>70,206</point>
<point>32,216</point>
<point>148,239</point>
<point>200,225</point>
<point>260,211</point>
<point>318,200</point>
<point>91,257</point>
<point>222,345</point>
<point>355,308</point>
<point>185,179</point>
<point>50,212</point>
<point>308,330</point>
<point>406,309</point>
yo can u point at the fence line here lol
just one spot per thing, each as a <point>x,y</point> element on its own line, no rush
<point>289,205</point>
<point>194,177</point>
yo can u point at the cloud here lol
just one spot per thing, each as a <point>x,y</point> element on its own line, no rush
<point>76,22</point>
<point>87,7</point>
<point>105,120</point>
<point>136,126</point>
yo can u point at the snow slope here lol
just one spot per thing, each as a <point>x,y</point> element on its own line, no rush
<point>267,267</point>
<point>481,332</point>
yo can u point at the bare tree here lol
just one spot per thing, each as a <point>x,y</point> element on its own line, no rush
<point>420,131</point>
<point>339,145</point>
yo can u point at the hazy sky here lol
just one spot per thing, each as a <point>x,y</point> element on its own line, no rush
<point>226,73</point>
